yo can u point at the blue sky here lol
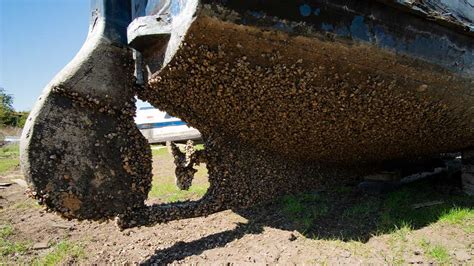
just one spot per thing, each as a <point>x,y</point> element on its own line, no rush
<point>37,39</point>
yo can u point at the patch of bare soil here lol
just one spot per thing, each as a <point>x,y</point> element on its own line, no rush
<point>344,227</point>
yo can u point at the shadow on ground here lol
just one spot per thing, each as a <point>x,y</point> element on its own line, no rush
<point>342,213</point>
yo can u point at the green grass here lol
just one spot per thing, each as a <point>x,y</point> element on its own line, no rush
<point>164,187</point>
<point>397,207</point>
<point>199,147</point>
<point>360,209</point>
<point>463,217</point>
<point>168,192</point>
<point>401,233</point>
<point>9,157</point>
<point>12,150</point>
<point>343,214</point>
<point>159,152</point>
<point>26,204</point>
<point>62,253</point>
<point>397,243</point>
<point>292,205</point>
<point>7,246</point>
<point>343,189</point>
<point>436,252</point>
<point>304,208</point>
<point>22,205</point>
<point>6,231</point>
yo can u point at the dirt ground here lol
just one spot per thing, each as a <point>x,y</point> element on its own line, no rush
<point>333,226</point>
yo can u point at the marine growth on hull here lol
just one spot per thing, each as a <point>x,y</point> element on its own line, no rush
<point>285,102</point>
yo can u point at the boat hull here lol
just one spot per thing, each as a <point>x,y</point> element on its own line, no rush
<point>315,97</point>
<point>287,95</point>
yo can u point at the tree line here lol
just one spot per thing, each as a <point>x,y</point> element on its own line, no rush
<point>8,115</point>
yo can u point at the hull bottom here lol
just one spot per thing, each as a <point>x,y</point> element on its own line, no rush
<point>309,99</point>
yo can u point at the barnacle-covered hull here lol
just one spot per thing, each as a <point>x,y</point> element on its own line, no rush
<point>372,84</point>
<point>286,95</point>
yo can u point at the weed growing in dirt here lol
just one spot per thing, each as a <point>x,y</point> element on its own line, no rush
<point>63,253</point>
<point>8,247</point>
<point>463,217</point>
<point>9,157</point>
<point>436,252</point>
<point>401,233</point>
<point>397,242</point>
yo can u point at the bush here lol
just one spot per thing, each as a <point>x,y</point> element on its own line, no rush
<point>8,116</point>
<point>6,107</point>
